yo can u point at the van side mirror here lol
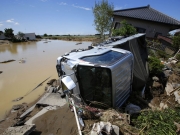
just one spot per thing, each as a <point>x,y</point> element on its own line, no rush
<point>68,83</point>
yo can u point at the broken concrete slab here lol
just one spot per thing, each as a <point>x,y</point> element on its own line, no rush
<point>31,108</point>
<point>43,111</point>
<point>53,99</point>
<point>19,130</point>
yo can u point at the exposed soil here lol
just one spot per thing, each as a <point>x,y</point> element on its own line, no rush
<point>12,117</point>
<point>57,122</point>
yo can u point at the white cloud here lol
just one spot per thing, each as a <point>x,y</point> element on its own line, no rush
<point>62,3</point>
<point>81,7</point>
<point>16,23</point>
<point>10,21</point>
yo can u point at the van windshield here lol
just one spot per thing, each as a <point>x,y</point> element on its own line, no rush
<point>104,59</point>
<point>95,84</point>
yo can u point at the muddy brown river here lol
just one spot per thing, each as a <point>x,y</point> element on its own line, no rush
<point>17,79</point>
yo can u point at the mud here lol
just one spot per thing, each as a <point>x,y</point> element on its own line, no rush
<point>57,122</point>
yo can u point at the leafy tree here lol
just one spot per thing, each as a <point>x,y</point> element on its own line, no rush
<point>103,12</point>
<point>125,30</point>
<point>176,41</point>
<point>45,35</point>
<point>21,34</point>
<point>8,32</point>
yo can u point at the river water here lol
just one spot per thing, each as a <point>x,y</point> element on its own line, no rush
<point>18,79</point>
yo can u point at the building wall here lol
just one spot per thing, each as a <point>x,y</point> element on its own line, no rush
<point>151,27</point>
<point>2,36</point>
<point>30,36</point>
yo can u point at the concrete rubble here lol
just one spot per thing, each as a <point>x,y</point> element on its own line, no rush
<point>19,130</point>
<point>49,101</point>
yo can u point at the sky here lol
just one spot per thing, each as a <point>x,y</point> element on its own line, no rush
<point>61,17</point>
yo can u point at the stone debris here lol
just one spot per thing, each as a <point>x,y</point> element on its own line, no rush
<point>169,88</point>
<point>177,96</point>
<point>17,107</point>
<point>101,128</point>
<point>19,130</point>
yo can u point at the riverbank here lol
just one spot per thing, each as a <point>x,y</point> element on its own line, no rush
<point>50,114</point>
<point>91,38</point>
<point>4,42</point>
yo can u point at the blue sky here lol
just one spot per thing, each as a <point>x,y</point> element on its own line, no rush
<point>67,16</point>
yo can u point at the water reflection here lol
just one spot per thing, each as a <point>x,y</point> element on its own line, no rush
<point>13,48</point>
<point>19,78</point>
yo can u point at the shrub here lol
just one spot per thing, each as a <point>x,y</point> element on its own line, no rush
<point>158,122</point>
<point>162,54</point>
<point>155,65</point>
<point>125,30</point>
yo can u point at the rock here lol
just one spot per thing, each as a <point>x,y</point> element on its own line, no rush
<point>22,61</point>
<point>167,73</point>
<point>50,82</point>
<point>163,106</point>
<point>157,85</point>
<point>155,78</point>
<point>115,129</point>
<point>1,72</point>
<point>177,96</point>
<point>101,127</point>
<point>17,107</point>
<point>169,88</point>
<point>175,85</point>
<point>54,84</point>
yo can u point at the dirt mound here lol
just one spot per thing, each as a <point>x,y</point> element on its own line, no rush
<point>57,122</point>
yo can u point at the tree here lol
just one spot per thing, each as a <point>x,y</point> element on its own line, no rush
<point>125,30</point>
<point>8,32</point>
<point>21,34</point>
<point>45,35</point>
<point>176,41</point>
<point>103,12</point>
